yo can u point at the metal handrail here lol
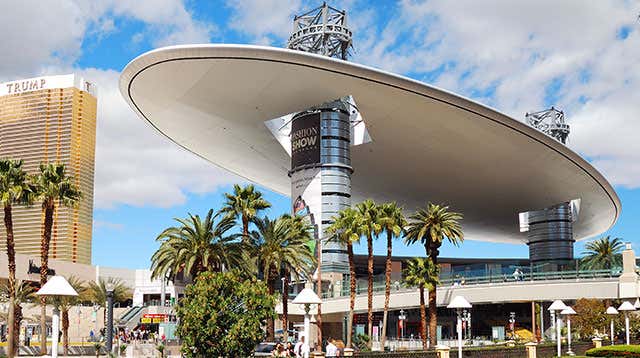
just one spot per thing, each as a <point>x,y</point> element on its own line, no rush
<point>379,286</point>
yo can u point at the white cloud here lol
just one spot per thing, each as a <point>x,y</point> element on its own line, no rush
<point>507,54</point>
<point>134,164</point>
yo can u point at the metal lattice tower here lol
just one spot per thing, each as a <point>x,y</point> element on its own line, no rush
<point>323,31</point>
<point>550,122</point>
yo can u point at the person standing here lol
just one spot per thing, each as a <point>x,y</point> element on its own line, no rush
<point>331,350</point>
<point>301,349</point>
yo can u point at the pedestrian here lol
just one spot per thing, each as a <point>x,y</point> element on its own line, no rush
<point>290,349</point>
<point>331,349</point>
<point>91,336</point>
<point>301,349</point>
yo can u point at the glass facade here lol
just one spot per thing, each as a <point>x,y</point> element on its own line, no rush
<point>53,125</point>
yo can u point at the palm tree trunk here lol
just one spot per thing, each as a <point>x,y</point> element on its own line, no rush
<point>245,228</point>
<point>423,319</point>
<point>11,258</point>
<point>387,290</point>
<point>285,305</point>
<point>65,330</point>
<point>370,288</point>
<point>352,292</point>
<point>49,207</point>
<point>433,309</point>
<point>270,324</point>
<point>17,309</point>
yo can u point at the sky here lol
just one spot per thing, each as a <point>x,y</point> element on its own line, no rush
<point>518,57</point>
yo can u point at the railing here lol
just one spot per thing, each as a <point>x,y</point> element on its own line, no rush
<point>459,280</point>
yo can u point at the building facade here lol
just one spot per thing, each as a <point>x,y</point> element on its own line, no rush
<point>47,120</point>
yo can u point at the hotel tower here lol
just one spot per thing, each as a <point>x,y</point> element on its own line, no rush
<point>52,119</point>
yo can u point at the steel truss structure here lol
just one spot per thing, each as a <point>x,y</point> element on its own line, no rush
<point>323,31</point>
<point>551,122</point>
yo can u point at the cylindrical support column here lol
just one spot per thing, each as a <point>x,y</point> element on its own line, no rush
<point>550,234</point>
<point>611,330</point>
<point>55,328</point>
<point>459,334</point>
<point>109,343</point>
<point>558,336</point>
<point>626,326</point>
<point>569,351</point>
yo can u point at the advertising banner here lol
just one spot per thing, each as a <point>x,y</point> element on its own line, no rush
<point>305,140</point>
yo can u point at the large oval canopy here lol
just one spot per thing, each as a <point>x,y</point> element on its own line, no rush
<point>427,144</point>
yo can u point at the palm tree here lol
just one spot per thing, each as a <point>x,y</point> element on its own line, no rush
<point>346,230</point>
<point>24,292</point>
<point>430,226</point>
<point>53,187</point>
<point>195,246</point>
<point>64,304</point>
<point>603,254</point>
<point>14,189</point>
<point>297,259</point>
<point>96,292</point>
<point>281,243</point>
<point>244,204</point>
<point>392,222</point>
<point>369,227</point>
<point>421,272</point>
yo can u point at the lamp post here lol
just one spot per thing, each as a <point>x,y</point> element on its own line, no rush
<point>625,307</point>
<point>56,286</point>
<point>459,303</point>
<point>109,288</point>
<point>306,298</point>
<point>512,324</point>
<point>402,318</point>
<point>556,307</point>
<point>568,312</point>
<point>612,311</point>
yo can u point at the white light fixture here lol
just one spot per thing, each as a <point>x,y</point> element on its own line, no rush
<point>625,307</point>
<point>56,286</point>
<point>637,304</point>
<point>612,310</point>
<point>459,303</point>
<point>306,298</point>
<point>568,312</point>
<point>556,307</point>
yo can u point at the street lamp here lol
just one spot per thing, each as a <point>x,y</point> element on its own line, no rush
<point>402,318</point>
<point>556,307</point>
<point>306,298</point>
<point>109,288</point>
<point>459,303</point>
<point>512,324</point>
<point>637,304</point>
<point>612,311</point>
<point>568,312</point>
<point>625,307</point>
<point>56,286</point>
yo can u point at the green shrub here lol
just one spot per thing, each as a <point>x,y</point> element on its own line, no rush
<point>631,351</point>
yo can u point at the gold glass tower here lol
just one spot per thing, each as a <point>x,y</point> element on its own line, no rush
<point>52,119</point>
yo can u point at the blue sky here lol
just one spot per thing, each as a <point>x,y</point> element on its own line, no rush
<point>516,57</point>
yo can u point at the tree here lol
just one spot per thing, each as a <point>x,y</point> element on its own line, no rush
<point>602,254</point>
<point>52,187</point>
<point>590,317</point>
<point>297,259</point>
<point>24,292</point>
<point>423,273</point>
<point>14,189</point>
<point>430,226</point>
<point>196,246</point>
<point>96,292</point>
<point>346,230</point>
<point>369,227</point>
<point>280,243</point>
<point>392,222</point>
<point>222,315</point>
<point>64,304</point>
<point>244,204</point>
